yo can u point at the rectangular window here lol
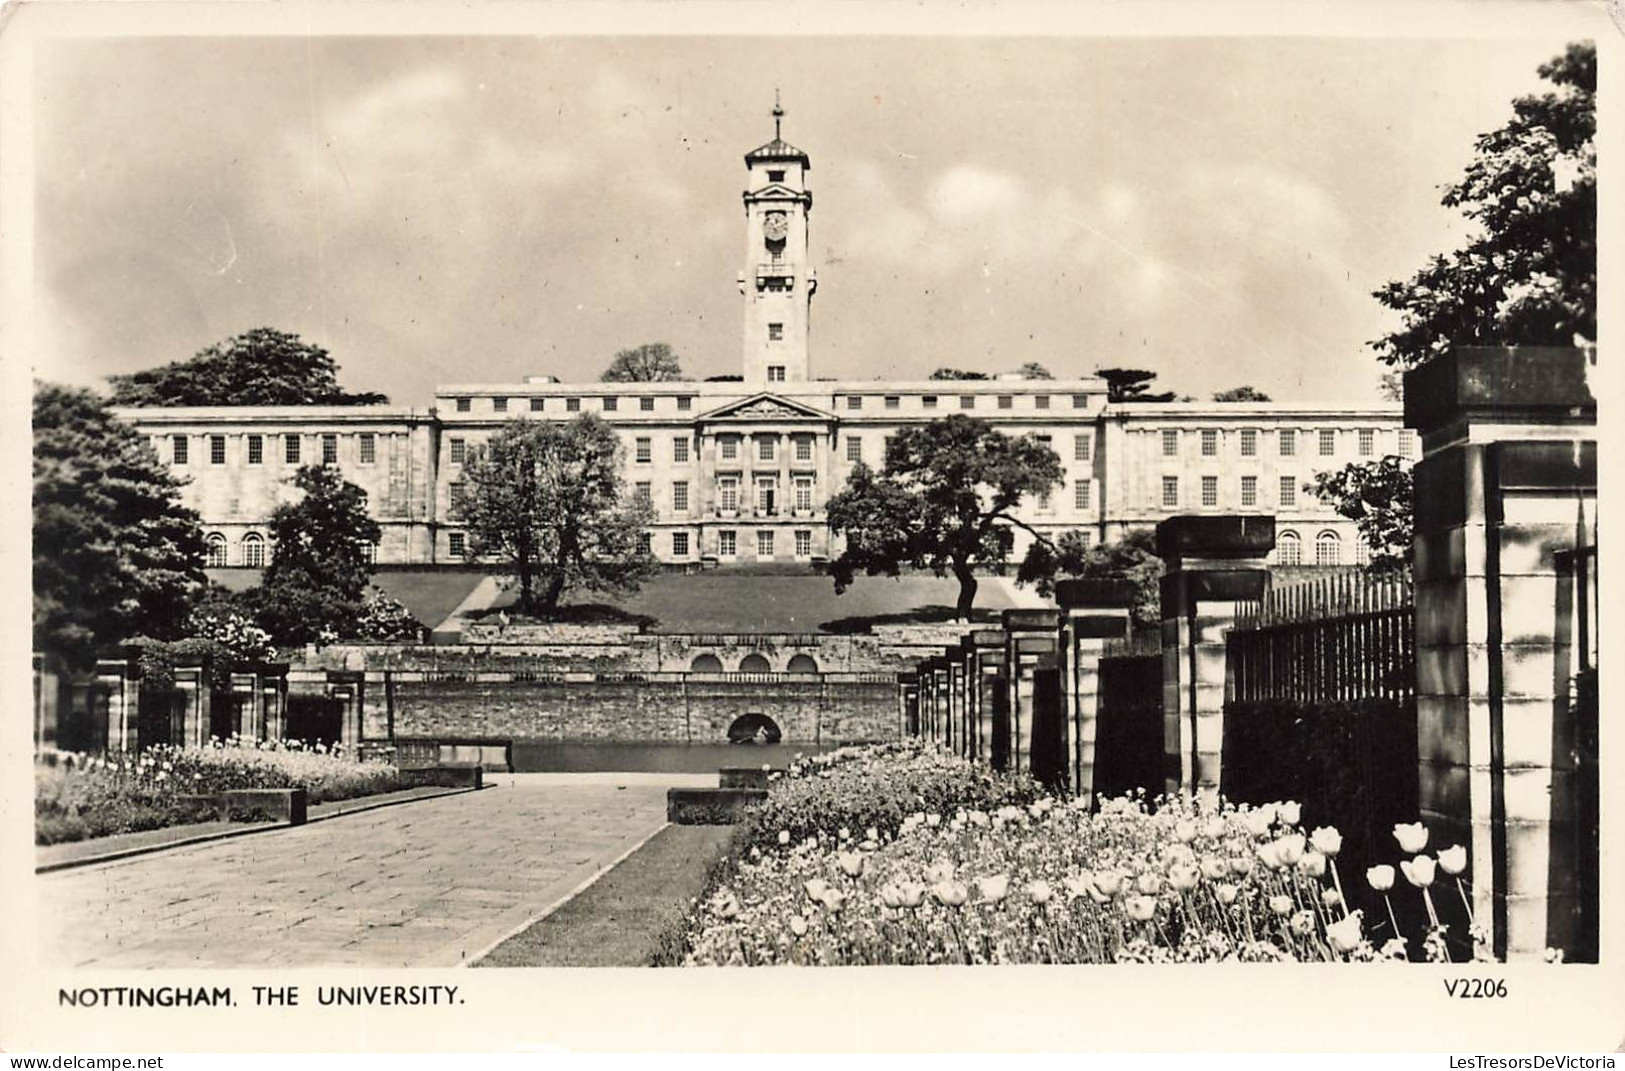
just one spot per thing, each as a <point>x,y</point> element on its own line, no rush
<point>1210,491</point>
<point>685,403</point>
<point>1407,442</point>
<point>804,449</point>
<point>679,544</point>
<point>1328,442</point>
<point>775,373</point>
<point>458,495</point>
<point>679,496</point>
<point>646,405</point>
<point>1170,490</point>
<point>764,544</point>
<point>330,449</point>
<point>572,405</point>
<point>256,449</point>
<point>804,493</point>
<point>1249,490</point>
<point>464,404</point>
<point>727,543</point>
<point>730,449</point>
<point>929,401</point>
<point>728,494</point>
<point>803,544</point>
<point>1249,442</point>
<point>1289,442</point>
<point>1289,491</point>
<point>645,450</point>
<point>499,405</point>
<point>1210,442</point>
<point>1170,442</point>
<point>647,540</point>
<point>893,401</point>
<point>775,332</point>
<point>369,448</point>
<point>458,545</point>
<point>217,449</point>
<point>775,176</point>
<point>643,493</point>
<point>1040,401</point>
<point>967,401</point>
<point>679,450</point>
<point>537,404</point>
<point>1086,538</point>
<point>180,445</point>
<point>1083,447</point>
<point>854,448</point>
<point>1080,401</point>
<point>1082,494</point>
<point>290,449</point>
<point>612,404</point>
<point>1006,401</point>
<point>854,401</point>
<point>766,449</point>
<point>458,451</point>
<point>1368,442</point>
<point>767,496</point>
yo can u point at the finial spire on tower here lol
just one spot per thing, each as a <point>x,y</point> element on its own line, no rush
<point>778,113</point>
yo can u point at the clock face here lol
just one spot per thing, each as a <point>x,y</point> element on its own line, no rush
<point>776,226</point>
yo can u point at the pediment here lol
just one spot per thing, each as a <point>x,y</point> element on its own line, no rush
<point>776,190</point>
<point>766,406</point>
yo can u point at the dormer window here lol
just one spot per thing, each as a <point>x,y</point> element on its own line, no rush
<point>775,176</point>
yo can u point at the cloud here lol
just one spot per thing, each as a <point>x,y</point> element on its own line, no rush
<point>968,191</point>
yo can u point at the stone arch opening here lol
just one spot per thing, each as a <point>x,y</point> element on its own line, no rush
<point>755,663</point>
<point>754,728</point>
<point>706,663</point>
<point>802,663</point>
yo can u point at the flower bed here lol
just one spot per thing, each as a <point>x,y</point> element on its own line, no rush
<point>998,876</point>
<point>79,796</point>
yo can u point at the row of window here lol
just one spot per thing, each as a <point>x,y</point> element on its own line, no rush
<point>1286,442</point>
<point>1286,496</point>
<point>1328,548</point>
<point>967,401</point>
<point>292,448</point>
<point>682,544</point>
<point>609,403</point>
<point>254,555</point>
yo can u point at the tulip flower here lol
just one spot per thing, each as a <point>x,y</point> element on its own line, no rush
<point>844,833</point>
<point>798,925</point>
<point>912,894</point>
<point>939,871</point>
<point>1381,878</point>
<point>1241,865</point>
<point>1453,860</point>
<point>1259,822</point>
<point>851,863</point>
<point>1149,883</point>
<point>1184,877</point>
<point>815,888</point>
<point>834,899</point>
<point>1288,813</point>
<point>1281,905</point>
<point>950,893</point>
<point>1412,836</point>
<point>1140,908</point>
<point>1184,831</point>
<point>1079,885</point>
<point>1213,828</point>
<point>871,833</point>
<point>1419,871</point>
<point>1327,841</point>
<point>1270,855</point>
<point>1345,936</point>
<point>1331,898</point>
<point>1039,892</point>
<point>1225,892</point>
<point>933,820</point>
<point>1289,848</point>
<point>1213,868</point>
<point>993,888</point>
<point>1313,864</point>
<point>1303,923</point>
<point>1110,881</point>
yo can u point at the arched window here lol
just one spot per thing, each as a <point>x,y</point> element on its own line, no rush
<point>216,555</point>
<point>755,663</point>
<point>254,550</point>
<point>1288,548</point>
<point>1328,549</point>
<point>706,663</point>
<point>802,664</point>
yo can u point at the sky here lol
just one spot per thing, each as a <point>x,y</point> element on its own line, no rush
<point>440,210</point>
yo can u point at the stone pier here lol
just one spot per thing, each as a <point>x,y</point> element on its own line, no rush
<point>1093,611</point>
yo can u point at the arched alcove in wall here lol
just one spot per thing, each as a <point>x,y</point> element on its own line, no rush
<point>755,663</point>
<point>706,663</point>
<point>802,663</point>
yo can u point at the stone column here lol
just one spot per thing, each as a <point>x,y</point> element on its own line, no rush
<point>117,678</point>
<point>928,700</point>
<point>1031,633</point>
<point>1505,493</point>
<point>992,696</point>
<point>191,725</point>
<point>943,674</point>
<point>967,661</point>
<point>1093,611</point>
<point>955,669</point>
<point>274,700</point>
<point>1211,563</point>
<point>346,686</point>
<point>908,700</point>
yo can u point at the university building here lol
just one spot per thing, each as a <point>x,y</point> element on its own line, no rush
<point>741,471</point>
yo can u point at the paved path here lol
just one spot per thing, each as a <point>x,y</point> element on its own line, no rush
<point>425,884</point>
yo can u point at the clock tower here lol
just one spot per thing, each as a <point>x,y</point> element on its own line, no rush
<point>777,282</point>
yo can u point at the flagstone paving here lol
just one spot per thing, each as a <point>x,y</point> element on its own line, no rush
<point>426,884</point>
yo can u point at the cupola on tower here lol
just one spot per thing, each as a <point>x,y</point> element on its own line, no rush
<point>777,282</point>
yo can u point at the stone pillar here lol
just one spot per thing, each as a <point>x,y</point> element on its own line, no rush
<point>943,674</point>
<point>117,679</point>
<point>1211,562</point>
<point>274,700</point>
<point>245,696</point>
<point>1093,611</point>
<point>346,686</point>
<point>1505,493</point>
<point>928,700</point>
<point>967,662</point>
<point>992,698</point>
<point>191,725</point>
<point>908,700</point>
<point>1031,633</point>
<point>955,669</point>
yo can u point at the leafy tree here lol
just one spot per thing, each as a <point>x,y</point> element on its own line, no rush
<point>1034,370</point>
<point>261,367</point>
<point>1376,496</point>
<point>385,619</point>
<point>1528,276</point>
<point>955,373</point>
<point>549,498</point>
<point>116,555</point>
<point>944,501</point>
<point>1131,385</point>
<point>1133,558</point>
<point>725,379</point>
<point>652,362</point>
<point>321,550</point>
<point>1241,394</point>
<point>1392,387</point>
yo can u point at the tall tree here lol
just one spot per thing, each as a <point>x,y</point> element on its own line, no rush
<point>1376,496</point>
<point>1034,370</point>
<point>652,362</point>
<point>944,501</point>
<point>116,555</point>
<point>549,499</point>
<point>1131,385</point>
<point>1241,394</point>
<point>260,367</point>
<point>321,560</point>
<point>1528,275</point>
<point>955,373</point>
<point>1132,558</point>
